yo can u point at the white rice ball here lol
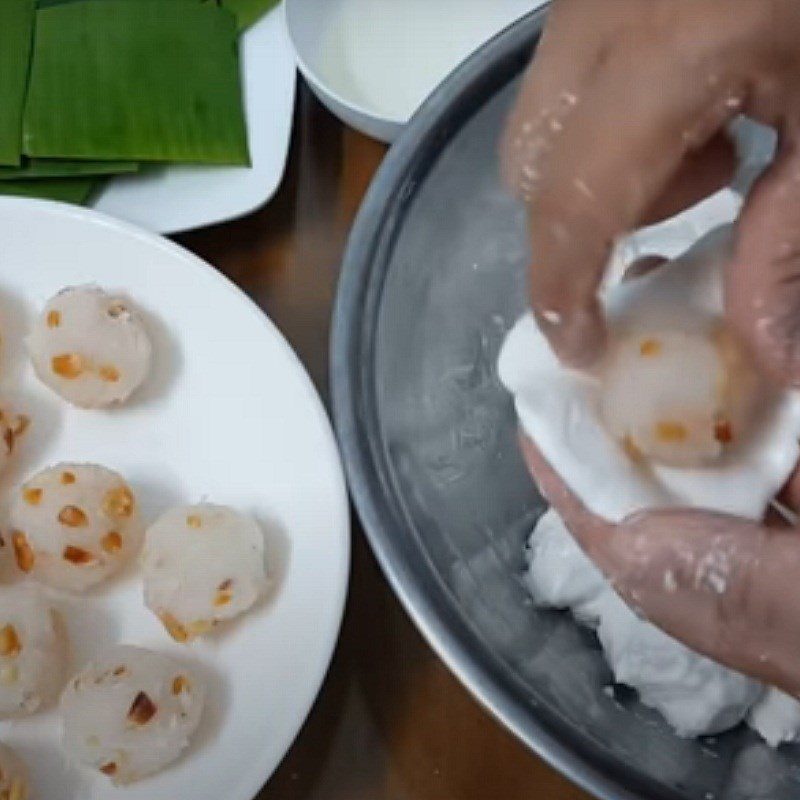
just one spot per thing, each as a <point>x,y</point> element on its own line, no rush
<point>680,398</point>
<point>13,775</point>
<point>74,525</point>
<point>130,712</point>
<point>202,564</point>
<point>32,652</point>
<point>90,347</point>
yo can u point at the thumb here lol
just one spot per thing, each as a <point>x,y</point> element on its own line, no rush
<point>722,585</point>
<point>763,277</point>
<point>597,537</point>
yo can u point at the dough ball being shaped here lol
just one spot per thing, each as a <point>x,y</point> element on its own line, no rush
<point>202,564</point>
<point>130,712</point>
<point>90,348</point>
<point>74,525</point>
<point>13,775</point>
<point>679,398</point>
<point>31,652</point>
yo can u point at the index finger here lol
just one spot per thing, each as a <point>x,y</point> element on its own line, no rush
<point>563,60</point>
<point>623,143</point>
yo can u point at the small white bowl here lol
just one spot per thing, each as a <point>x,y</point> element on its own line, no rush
<point>373,62</point>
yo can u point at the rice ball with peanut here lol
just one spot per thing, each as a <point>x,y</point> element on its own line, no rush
<point>31,652</point>
<point>203,564</point>
<point>74,525</point>
<point>13,775</point>
<point>90,347</point>
<point>130,713</point>
<point>678,397</point>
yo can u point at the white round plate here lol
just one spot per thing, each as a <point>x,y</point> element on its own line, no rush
<point>230,415</point>
<point>373,62</point>
<point>183,197</point>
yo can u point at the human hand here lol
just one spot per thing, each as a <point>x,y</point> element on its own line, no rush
<point>620,122</point>
<point>726,587</point>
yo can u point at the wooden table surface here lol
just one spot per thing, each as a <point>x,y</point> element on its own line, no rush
<point>391,723</point>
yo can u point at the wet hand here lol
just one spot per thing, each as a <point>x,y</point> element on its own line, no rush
<point>724,586</point>
<point>621,122</point>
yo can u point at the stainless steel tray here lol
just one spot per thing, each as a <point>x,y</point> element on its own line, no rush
<point>433,276</point>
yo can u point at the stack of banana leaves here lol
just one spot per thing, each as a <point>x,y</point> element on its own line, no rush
<point>95,88</point>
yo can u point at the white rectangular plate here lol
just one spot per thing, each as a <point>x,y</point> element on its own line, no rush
<point>180,198</point>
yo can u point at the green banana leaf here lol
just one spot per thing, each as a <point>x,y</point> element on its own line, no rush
<point>249,12</point>
<point>16,30</point>
<point>48,3</point>
<point>67,190</point>
<point>41,168</point>
<point>142,81</point>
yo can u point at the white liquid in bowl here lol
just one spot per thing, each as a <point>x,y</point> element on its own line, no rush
<point>388,55</point>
